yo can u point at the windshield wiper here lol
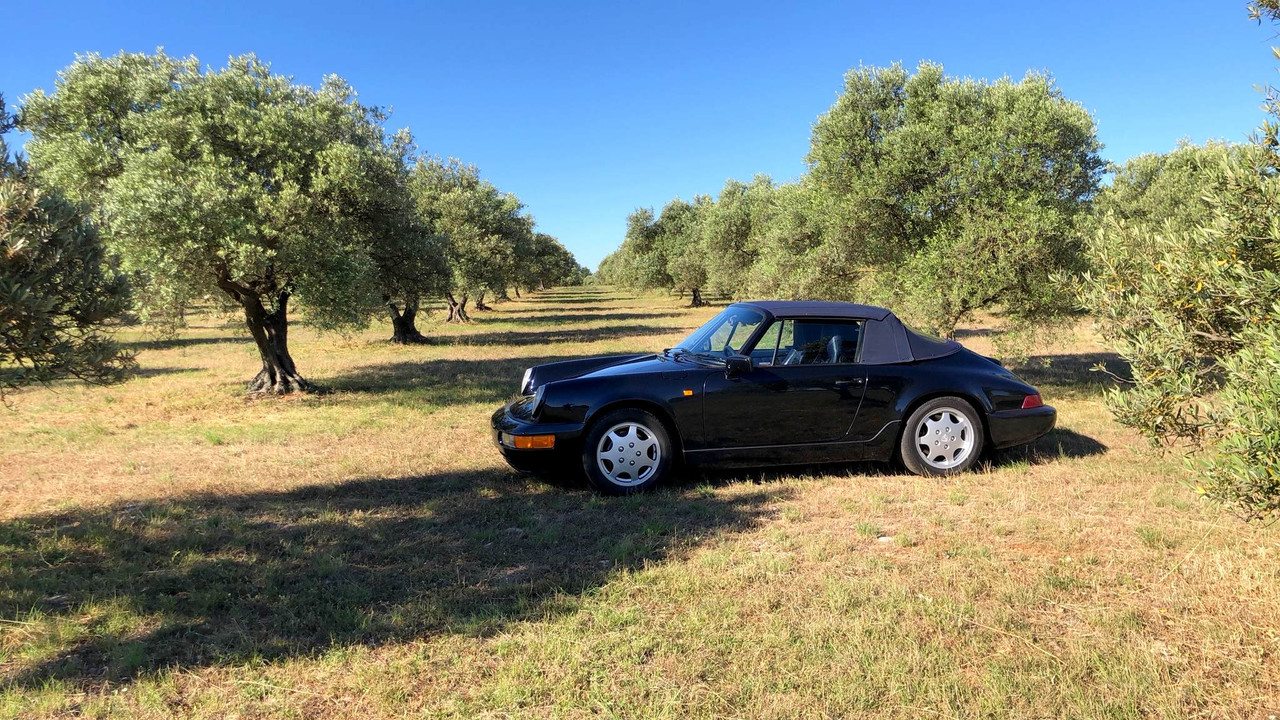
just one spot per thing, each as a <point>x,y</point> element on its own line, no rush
<point>676,353</point>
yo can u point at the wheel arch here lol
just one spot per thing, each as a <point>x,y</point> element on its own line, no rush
<point>934,395</point>
<point>654,408</point>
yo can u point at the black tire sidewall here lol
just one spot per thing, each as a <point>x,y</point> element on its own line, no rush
<point>910,456</point>
<point>601,425</point>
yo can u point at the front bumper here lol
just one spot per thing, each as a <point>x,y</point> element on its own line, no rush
<point>1016,427</point>
<point>508,424</point>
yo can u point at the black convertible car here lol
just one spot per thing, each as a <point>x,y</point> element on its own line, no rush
<point>770,383</point>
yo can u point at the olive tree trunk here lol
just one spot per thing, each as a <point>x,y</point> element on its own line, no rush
<point>479,301</point>
<point>404,323</point>
<point>270,331</point>
<point>457,309</point>
<point>697,299</point>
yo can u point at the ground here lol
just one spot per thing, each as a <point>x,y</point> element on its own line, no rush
<point>170,548</point>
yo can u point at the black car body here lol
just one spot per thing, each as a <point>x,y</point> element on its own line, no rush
<point>776,383</point>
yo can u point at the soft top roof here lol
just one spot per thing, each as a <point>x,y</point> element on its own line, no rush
<point>817,308</point>
<point>885,339</point>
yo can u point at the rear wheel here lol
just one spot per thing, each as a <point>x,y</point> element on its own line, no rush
<point>627,451</point>
<point>943,437</point>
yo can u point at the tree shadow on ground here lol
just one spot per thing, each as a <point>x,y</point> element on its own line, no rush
<point>183,342</point>
<point>552,317</point>
<point>444,382</point>
<point>577,300</point>
<point>568,335</point>
<point>966,333</point>
<point>1073,370</point>
<point>109,594</point>
<point>147,372</point>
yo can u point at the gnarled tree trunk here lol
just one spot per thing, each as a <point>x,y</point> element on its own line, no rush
<point>457,309</point>
<point>404,322</point>
<point>697,299</point>
<point>270,331</point>
<point>479,302</point>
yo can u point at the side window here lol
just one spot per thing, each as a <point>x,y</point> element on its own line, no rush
<point>819,342</point>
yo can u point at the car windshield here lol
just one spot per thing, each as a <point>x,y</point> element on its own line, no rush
<point>725,334</point>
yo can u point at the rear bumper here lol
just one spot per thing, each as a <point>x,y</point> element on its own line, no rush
<point>1016,427</point>
<point>506,425</point>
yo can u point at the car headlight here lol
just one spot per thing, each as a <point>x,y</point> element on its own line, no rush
<point>524,381</point>
<point>537,400</point>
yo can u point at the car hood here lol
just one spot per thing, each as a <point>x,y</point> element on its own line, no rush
<point>607,366</point>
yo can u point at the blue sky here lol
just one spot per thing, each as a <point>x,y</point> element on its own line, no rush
<point>589,110</point>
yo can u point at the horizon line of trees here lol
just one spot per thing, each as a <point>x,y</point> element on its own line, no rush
<point>185,183</point>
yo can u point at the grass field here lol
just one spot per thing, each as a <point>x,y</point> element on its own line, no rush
<point>171,548</point>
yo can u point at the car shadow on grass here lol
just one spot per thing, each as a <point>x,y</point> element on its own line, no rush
<point>106,595</point>
<point>1058,444</point>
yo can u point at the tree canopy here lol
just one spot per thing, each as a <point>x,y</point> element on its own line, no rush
<point>1185,284</point>
<point>57,289</point>
<point>938,195</point>
<point>236,181</point>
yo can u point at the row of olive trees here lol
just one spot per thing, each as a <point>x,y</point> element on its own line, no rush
<point>242,184</point>
<point>938,195</point>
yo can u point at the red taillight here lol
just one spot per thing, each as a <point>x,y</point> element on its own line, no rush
<point>1032,401</point>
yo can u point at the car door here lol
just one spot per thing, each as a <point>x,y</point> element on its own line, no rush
<point>804,388</point>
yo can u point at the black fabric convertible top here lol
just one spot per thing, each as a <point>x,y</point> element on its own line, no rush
<point>885,339</point>
<point>818,308</point>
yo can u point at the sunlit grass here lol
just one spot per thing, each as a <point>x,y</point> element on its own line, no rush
<point>171,548</point>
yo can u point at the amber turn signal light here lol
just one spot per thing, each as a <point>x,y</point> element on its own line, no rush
<point>534,442</point>
<point>688,393</point>
<point>1032,401</point>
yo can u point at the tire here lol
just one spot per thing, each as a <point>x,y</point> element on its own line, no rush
<point>627,451</point>
<point>951,430</point>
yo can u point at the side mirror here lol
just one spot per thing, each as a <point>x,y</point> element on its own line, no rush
<point>737,366</point>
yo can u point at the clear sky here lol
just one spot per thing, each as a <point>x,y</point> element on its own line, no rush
<point>589,110</point>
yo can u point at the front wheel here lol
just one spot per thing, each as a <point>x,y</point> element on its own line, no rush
<point>943,437</point>
<point>627,451</point>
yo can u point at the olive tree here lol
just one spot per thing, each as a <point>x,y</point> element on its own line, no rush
<point>543,262</point>
<point>960,194</point>
<point>663,251</point>
<point>730,234</point>
<point>57,287</point>
<point>483,226</point>
<point>236,181</point>
<point>411,257</point>
<point>1185,284</point>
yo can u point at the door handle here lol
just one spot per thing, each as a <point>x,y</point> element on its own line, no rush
<point>850,382</point>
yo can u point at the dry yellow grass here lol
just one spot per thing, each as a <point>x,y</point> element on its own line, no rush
<point>169,548</point>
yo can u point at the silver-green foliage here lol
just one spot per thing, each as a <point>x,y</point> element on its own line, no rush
<point>236,182</point>
<point>959,194</point>
<point>57,288</point>
<point>938,195</point>
<point>1185,284</point>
